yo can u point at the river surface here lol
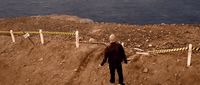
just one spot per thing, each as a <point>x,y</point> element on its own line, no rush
<point>120,11</point>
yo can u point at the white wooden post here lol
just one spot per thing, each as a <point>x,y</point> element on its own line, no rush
<point>143,53</point>
<point>77,39</point>
<point>41,36</point>
<point>12,36</point>
<point>189,55</point>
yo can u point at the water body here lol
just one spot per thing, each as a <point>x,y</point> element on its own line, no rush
<point>120,11</point>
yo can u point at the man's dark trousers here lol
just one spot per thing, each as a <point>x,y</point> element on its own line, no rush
<point>112,68</point>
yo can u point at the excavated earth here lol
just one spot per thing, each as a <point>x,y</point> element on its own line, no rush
<point>59,62</point>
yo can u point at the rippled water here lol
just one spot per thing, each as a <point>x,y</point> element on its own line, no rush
<point>122,11</point>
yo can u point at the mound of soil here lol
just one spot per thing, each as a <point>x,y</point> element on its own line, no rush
<point>59,62</point>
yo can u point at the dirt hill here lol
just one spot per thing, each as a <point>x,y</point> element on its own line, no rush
<point>59,62</point>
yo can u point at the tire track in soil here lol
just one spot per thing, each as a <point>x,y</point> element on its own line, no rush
<point>96,58</point>
<point>30,51</point>
<point>81,68</point>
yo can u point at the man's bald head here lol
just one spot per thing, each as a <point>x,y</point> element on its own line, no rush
<point>112,38</point>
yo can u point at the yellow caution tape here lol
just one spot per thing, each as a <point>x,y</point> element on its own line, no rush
<point>44,32</point>
<point>4,32</point>
<point>169,50</point>
<point>196,48</point>
<point>174,50</point>
<point>59,33</point>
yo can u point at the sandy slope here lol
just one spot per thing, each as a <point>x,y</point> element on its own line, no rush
<point>58,62</point>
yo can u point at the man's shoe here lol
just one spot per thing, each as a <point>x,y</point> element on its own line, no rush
<point>121,84</point>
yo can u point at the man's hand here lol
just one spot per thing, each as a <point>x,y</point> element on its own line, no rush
<point>99,66</point>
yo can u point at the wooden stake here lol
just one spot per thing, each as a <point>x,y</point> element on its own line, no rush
<point>12,36</point>
<point>143,53</point>
<point>189,55</point>
<point>41,36</point>
<point>77,40</point>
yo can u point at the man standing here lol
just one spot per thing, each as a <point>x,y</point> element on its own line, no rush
<point>115,54</point>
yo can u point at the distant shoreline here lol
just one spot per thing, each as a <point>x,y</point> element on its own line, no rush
<point>87,20</point>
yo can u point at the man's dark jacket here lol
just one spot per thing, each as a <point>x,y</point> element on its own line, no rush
<point>115,54</point>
